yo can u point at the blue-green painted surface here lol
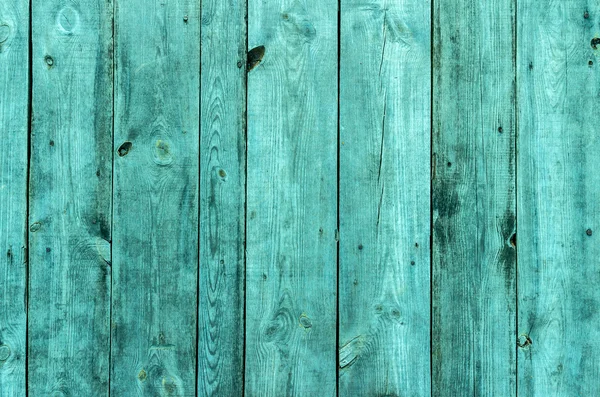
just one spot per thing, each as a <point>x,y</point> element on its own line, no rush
<point>70,198</point>
<point>14,77</point>
<point>323,198</point>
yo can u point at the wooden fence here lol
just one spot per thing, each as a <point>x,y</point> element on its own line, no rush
<point>299,198</point>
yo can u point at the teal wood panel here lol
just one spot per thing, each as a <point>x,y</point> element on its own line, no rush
<point>385,108</point>
<point>474,218</point>
<point>70,198</point>
<point>222,198</point>
<point>558,198</point>
<point>14,97</point>
<point>292,199</point>
<point>155,230</point>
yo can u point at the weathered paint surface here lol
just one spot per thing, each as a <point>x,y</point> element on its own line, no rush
<point>292,199</point>
<point>559,199</point>
<point>384,197</point>
<point>70,198</point>
<point>222,199</point>
<point>474,218</point>
<point>14,88</point>
<point>299,198</point>
<point>155,219</point>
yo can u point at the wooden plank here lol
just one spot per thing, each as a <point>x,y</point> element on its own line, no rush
<point>385,198</point>
<point>292,199</point>
<point>473,290</point>
<point>559,198</point>
<point>70,198</point>
<point>222,195</point>
<point>155,228</point>
<point>14,97</point>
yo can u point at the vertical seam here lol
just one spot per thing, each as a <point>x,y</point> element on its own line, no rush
<point>516,184</point>
<point>112,194</point>
<point>244,255</point>
<point>198,194</point>
<point>27,191</point>
<point>337,279</point>
<point>431,167</point>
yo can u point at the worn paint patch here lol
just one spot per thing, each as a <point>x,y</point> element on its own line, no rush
<point>4,32</point>
<point>67,20</point>
<point>162,153</point>
<point>298,25</point>
<point>351,351</point>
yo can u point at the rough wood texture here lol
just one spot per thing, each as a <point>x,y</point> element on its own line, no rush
<point>559,199</point>
<point>292,200</point>
<point>222,198</point>
<point>70,198</point>
<point>155,231</point>
<point>473,294</point>
<point>14,78</point>
<point>384,198</point>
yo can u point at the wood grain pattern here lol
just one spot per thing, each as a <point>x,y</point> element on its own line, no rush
<point>70,198</point>
<point>292,200</point>
<point>155,232</point>
<point>473,291</point>
<point>384,198</point>
<point>14,97</point>
<point>559,199</point>
<point>222,198</point>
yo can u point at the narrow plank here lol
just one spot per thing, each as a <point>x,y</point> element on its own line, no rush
<point>222,195</point>
<point>559,198</point>
<point>14,97</point>
<point>474,281</point>
<point>155,227</point>
<point>70,198</point>
<point>385,108</point>
<point>292,199</point>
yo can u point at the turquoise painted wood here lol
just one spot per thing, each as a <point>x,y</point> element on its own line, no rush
<point>559,199</point>
<point>222,198</point>
<point>473,196</point>
<point>292,199</point>
<point>307,197</point>
<point>155,219</point>
<point>70,199</point>
<point>384,198</point>
<point>14,88</point>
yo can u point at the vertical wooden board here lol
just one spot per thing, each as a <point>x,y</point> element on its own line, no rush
<point>14,97</point>
<point>155,229</point>
<point>222,198</point>
<point>385,108</point>
<point>558,198</point>
<point>70,198</point>
<point>292,200</point>
<point>473,289</point>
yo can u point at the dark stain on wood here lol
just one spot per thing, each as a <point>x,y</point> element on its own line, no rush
<point>255,57</point>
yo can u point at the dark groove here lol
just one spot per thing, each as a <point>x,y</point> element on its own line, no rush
<point>29,130</point>
<point>337,278</point>
<point>431,167</point>
<point>112,195</point>
<point>245,129</point>
<point>516,123</point>
<point>198,194</point>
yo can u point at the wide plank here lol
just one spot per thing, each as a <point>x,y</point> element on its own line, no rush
<point>385,109</point>
<point>14,104</point>
<point>291,199</point>
<point>222,198</point>
<point>474,218</point>
<point>559,198</point>
<point>155,229</point>
<point>70,198</point>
